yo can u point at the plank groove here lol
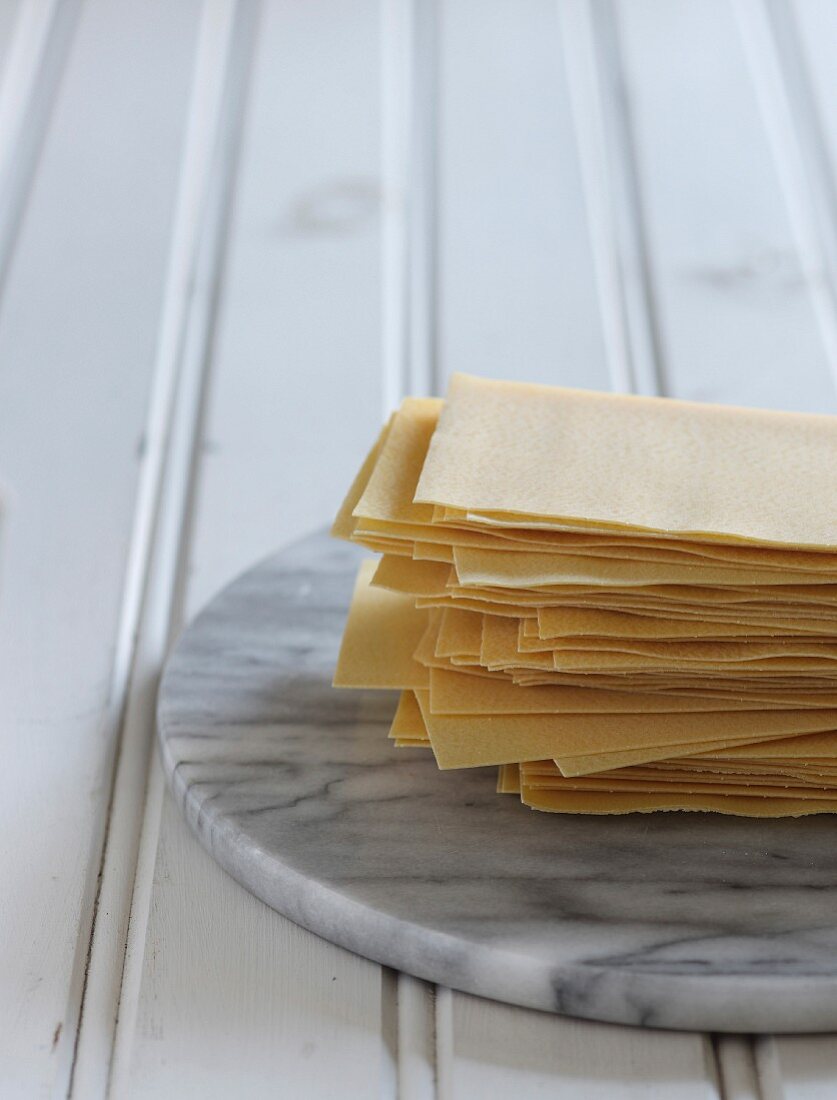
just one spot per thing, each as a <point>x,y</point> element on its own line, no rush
<point>737,1070</point>
<point>418,1025</point>
<point>409,122</point>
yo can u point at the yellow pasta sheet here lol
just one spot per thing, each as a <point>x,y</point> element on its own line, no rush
<point>515,570</point>
<point>500,650</point>
<point>345,523</point>
<point>382,633</point>
<point>775,788</point>
<point>655,628</point>
<point>777,751</point>
<point>455,692</point>
<point>635,462</point>
<point>595,802</point>
<point>595,762</point>
<point>392,499</point>
<point>508,779</point>
<point>389,490</point>
<point>407,723</point>
<point>720,650</point>
<point>718,771</point>
<point>412,578</point>
<point>468,741</point>
<point>553,622</point>
<point>809,747</point>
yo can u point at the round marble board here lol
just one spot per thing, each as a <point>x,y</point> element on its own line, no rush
<point>671,920</point>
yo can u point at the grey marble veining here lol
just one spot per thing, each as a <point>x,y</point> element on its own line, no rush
<point>668,920</point>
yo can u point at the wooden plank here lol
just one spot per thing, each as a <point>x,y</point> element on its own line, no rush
<point>500,1051</point>
<point>9,16</point>
<point>288,1013</point>
<point>734,298</point>
<point>76,342</point>
<point>799,1067</point>
<point>813,24</point>
<point>517,285</point>
<point>32,60</point>
<point>295,398</point>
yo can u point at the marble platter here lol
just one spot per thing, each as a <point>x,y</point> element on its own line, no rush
<point>668,920</point>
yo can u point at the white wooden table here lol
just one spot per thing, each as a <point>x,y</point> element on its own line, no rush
<point>232,235</point>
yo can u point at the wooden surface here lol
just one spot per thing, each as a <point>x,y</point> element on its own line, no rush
<point>231,236</point>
